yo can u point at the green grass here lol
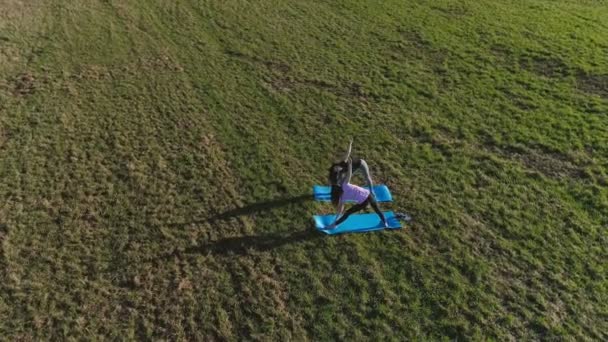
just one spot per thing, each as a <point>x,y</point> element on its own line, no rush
<point>156,157</point>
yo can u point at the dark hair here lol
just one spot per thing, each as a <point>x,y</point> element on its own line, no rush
<point>336,193</point>
<point>334,173</point>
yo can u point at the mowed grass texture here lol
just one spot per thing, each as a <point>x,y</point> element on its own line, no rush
<point>157,158</point>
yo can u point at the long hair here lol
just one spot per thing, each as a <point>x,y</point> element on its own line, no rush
<point>336,193</point>
<point>334,174</point>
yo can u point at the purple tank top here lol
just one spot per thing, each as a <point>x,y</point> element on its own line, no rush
<point>353,193</point>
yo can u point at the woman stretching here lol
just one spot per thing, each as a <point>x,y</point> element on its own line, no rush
<point>349,192</point>
<point>337,171</point>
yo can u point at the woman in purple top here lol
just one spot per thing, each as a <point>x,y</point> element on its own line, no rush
<point>350,192</point>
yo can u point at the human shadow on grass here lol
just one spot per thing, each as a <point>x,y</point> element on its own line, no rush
<point>261,206</point>
<point>243,245</point>
<point>249,209</point>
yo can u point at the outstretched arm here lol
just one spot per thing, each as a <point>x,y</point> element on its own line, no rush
<point>350,148</point>
<point>349,171</point>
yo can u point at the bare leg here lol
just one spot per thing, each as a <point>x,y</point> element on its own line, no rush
<point>374,204</point>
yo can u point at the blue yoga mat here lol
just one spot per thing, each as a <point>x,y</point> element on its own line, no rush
<point>356,223</point>
<point>323,193</point>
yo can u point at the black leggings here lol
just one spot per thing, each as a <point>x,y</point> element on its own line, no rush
<point>357,207</point>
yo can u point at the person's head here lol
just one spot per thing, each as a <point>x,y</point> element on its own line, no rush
<point>336,193</point>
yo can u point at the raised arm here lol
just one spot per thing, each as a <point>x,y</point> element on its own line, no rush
<point>350,148</point>
<point>349,171</point>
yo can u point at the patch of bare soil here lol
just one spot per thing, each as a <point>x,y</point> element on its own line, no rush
<point>550,164</point>
<point>160,62</point>
<point>3,231</point>
<point>145,64</point>
<point>24,84</point>
<point>453,10</point>
<point>546,66</point>
<point>3,136</point>
<point>281,78</point>
<point>414,46</point>
<point>593,84</point>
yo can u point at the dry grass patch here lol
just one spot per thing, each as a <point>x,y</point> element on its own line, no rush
<point>593,84</point>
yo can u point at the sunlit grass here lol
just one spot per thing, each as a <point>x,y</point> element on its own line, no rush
<point>156,157</point>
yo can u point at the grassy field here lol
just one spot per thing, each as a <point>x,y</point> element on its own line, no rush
<point>157,158</point>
